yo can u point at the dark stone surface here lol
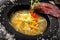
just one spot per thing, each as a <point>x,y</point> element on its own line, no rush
<point>58,33</point>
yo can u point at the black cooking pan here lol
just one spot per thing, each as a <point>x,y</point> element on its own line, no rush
<point>51,29</point>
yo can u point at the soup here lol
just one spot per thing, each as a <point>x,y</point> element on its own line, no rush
<point>28,23</point>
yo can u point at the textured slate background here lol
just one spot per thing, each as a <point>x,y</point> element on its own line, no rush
<point>58,33</point>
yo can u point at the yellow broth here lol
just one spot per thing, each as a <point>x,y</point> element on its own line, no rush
<point>23,22</point>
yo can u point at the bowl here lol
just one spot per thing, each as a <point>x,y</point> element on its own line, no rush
<point>20,35</point>
<point>7,14</point>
